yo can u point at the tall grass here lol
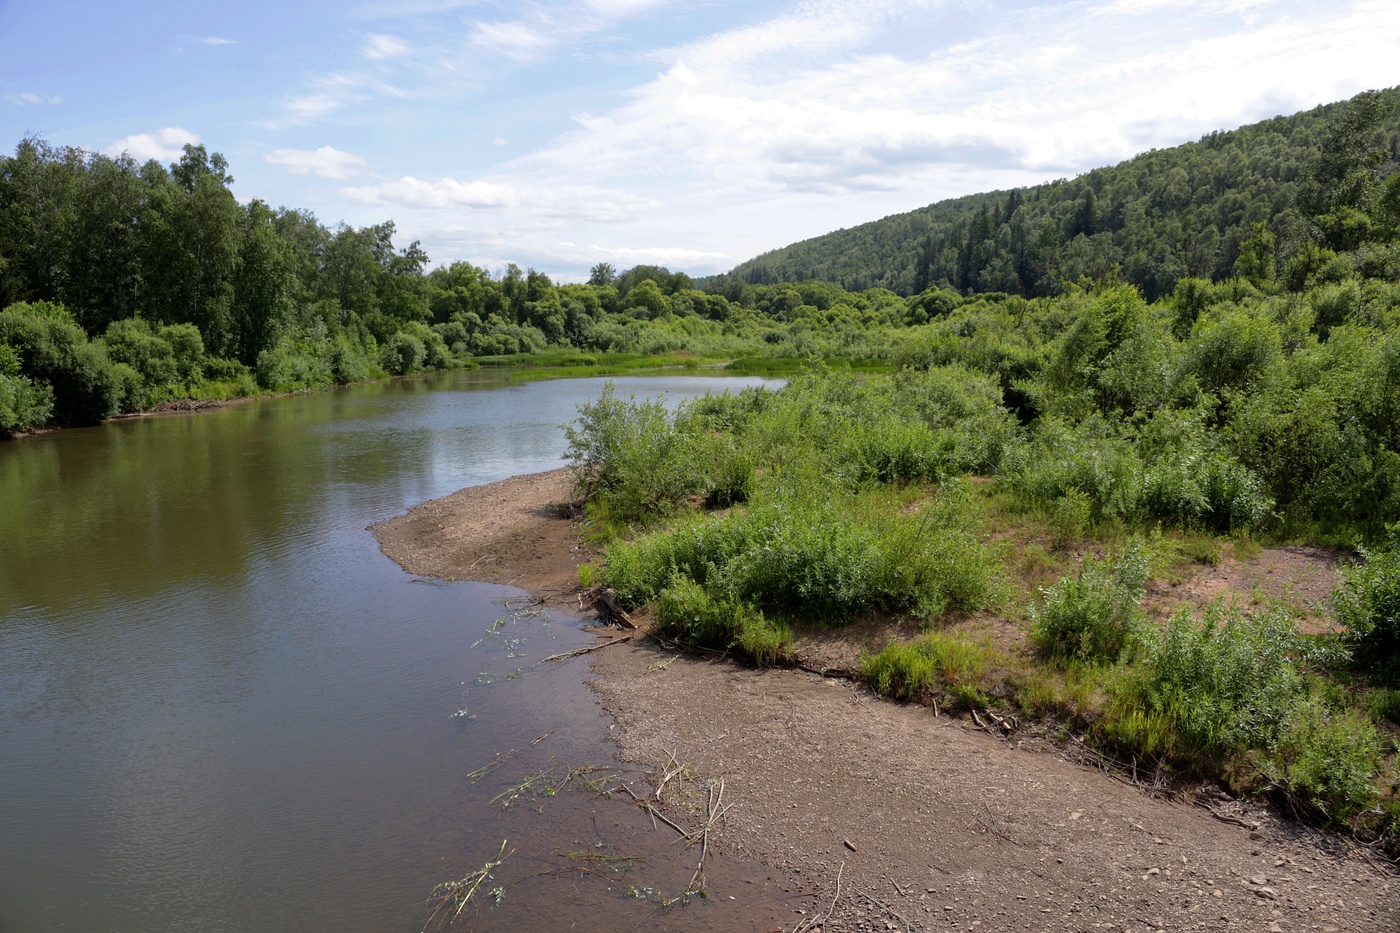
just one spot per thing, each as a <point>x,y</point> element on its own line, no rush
<point>910,670</point>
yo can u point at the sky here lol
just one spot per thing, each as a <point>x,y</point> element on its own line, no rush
<point>692,134</point>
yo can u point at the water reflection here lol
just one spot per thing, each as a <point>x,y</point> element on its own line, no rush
<point>220,707</point>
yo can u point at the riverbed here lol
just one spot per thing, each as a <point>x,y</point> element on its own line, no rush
<point>222,708</point>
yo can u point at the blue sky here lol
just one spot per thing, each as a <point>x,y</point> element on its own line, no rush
<point>688,133</point>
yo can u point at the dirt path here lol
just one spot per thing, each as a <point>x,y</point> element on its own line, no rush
<point>931,826</point>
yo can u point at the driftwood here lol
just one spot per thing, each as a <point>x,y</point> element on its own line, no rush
<point>607,606</point>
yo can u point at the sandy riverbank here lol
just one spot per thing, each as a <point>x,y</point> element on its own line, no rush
<point>932,825</point>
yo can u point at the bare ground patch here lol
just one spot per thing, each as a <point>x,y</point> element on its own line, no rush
<point>929,824</point>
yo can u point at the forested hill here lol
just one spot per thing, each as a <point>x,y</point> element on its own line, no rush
<point>1161,216</point>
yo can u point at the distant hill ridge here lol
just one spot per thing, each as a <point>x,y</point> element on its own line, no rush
<point>1162,215</point>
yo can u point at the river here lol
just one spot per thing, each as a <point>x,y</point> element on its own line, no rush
<point>222,709</point>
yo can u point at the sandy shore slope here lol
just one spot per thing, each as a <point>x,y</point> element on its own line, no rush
<point>932,825</point>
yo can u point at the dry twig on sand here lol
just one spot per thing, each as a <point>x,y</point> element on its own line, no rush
<point>814,921</point>
<point>565,655</point>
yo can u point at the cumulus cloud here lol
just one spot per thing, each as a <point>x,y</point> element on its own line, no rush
<point>1045,96</point>
<point>166,144</point>
<point>326,162</point>
<point>519,199</point>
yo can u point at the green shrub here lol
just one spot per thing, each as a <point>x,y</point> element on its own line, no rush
<point>1384,705</point>
<point>1090,616</point>
<point>902,671</point>
<point>687,612</point>
<point>1069,516</point>
<point>1225,685</point>
<point>134,343</point>
<point>403,353</point>
<point>23,404</point>
<point>1368,605</point>
<point>53,349</point>
<point>348,362</point>
<point>825,556</point>
<point>187,347</point>
<point>1330,759</point>
<point>294,363</point>
<point>892,450</point>
<point>1088,459</point>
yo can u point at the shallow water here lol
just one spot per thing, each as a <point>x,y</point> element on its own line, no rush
<point>221,708</point>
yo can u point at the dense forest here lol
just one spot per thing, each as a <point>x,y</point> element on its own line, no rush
<point>1273,192</point>
<point>126,285</point>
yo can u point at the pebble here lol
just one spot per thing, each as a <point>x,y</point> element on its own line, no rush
<point>1270,893</point>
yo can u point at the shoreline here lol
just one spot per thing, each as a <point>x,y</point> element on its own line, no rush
<point>929,822</point>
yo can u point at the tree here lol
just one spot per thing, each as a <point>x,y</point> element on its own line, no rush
<point>192,231</point>
<point>1344,180</point>
<point>263,285</point>
<point>604,273</point>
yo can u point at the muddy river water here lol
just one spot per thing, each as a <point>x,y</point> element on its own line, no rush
<point>222,709</point>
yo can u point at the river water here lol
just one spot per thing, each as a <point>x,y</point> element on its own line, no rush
<point>222,709</point>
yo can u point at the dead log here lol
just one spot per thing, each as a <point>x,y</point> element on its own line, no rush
<point>606,604</point>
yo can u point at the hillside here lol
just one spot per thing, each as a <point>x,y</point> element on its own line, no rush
<point>1160,216</point>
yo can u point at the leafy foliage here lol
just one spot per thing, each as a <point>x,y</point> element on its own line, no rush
<point>1368,605</point>
<point>1227,205</point>
<point>1226,684</point>
<point>1090,617</point>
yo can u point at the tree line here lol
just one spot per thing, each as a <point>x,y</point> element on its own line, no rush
<point>1265,199</point>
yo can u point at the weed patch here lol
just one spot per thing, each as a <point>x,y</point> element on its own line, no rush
<point>1089,617</point>
<point>909,670</point>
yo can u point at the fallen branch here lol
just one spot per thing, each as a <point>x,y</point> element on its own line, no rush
<point>908,927</point>
<point>715,810</point>
<point>655,814</point>
<point>502,757</point>
<point>564,656</point>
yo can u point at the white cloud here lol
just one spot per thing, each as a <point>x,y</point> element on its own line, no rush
<point>166,144</point>
<point>383,46</point>
<point>216,40</point>
<point>1042,97</point>
<point>617,9</point>
<point>516,39</point>
<point>336,92</point>
<point>521,200</point>
<point>325,162</point>
<point>313,106</point>
<point>30,99</point>
<point>542,30</point>
<point>824,114</point>
<point>678,256</point>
